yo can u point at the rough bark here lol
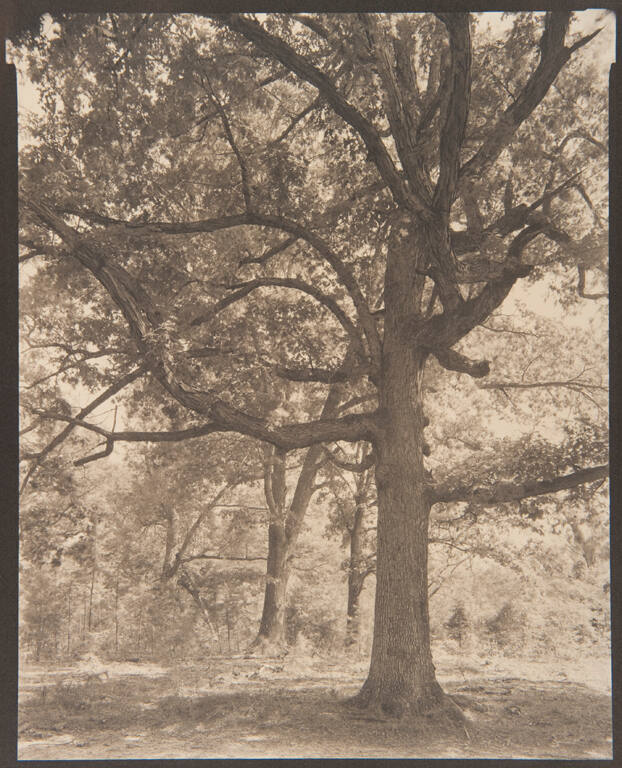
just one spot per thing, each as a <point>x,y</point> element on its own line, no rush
<point>401,677</point>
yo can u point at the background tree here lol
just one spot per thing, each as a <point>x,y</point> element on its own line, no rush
<point>351,516</point>
<point>434,201</point>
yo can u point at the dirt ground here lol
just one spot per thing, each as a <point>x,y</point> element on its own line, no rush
<point>270,708</point>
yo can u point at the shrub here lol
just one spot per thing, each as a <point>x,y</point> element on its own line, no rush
<point>506,626</point>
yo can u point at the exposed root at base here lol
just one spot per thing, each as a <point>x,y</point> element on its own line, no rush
<point>438,711</point>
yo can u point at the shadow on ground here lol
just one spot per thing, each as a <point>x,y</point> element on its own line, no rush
<point>197,713</point>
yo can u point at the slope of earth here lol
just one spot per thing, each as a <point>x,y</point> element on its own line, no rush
<point>270,708</point>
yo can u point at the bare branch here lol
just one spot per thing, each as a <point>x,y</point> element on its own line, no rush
<point>278,248</point>
<point>105,395</point>
<point>232,143</point>
<point>219,557</point>
<point>207,508</point>
<point>568,384</point>
<point>581,286</point>
<point>73,364</point>
<point>295,120</point>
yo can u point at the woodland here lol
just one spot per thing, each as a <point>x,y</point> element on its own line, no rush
<point>313,342</point>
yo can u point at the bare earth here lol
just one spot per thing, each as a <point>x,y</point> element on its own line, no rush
<point>268,708</point>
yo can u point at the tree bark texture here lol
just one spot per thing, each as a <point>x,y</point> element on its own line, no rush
<point>401,676</point>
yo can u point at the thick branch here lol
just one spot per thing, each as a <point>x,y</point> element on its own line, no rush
<point>312,23</point>
<point>503,492</point>
<point>171,436</point>
<point>350,466</point>
<point>322,375</point>
<point>252,218</point>
<point>137,309</point>
<point>513,219</point>
<point>305,486</point>
<point>225,418</point>
<point>126,292</point>
<point>455,118</point>
<point>243,289</point>
<point>95,456</point>
<point>399,91</point>
<point>454,361</point>
<point>444,330</point>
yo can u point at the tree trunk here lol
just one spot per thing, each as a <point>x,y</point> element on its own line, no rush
<point>69,620</point>
<point>284,528</point>
<point>116,614</point>
<point>91,598</point>
<point>355,577</point>
<point>353,625</point>
<point>401,677</point>
<point>272,627</point>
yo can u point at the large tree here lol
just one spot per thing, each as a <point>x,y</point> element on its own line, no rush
<point>317,199</point>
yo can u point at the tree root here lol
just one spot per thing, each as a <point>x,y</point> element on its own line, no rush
<point>437,711</point>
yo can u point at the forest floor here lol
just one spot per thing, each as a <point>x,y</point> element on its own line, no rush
<point>237,707</point>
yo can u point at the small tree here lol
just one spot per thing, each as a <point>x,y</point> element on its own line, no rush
<point>458,624</point>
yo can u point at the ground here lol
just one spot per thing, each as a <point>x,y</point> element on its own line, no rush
<point>297,707</point>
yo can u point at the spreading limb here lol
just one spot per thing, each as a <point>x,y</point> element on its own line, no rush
<point>503,492</point>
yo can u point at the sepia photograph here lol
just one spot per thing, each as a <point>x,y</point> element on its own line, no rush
<point>313,384</point>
